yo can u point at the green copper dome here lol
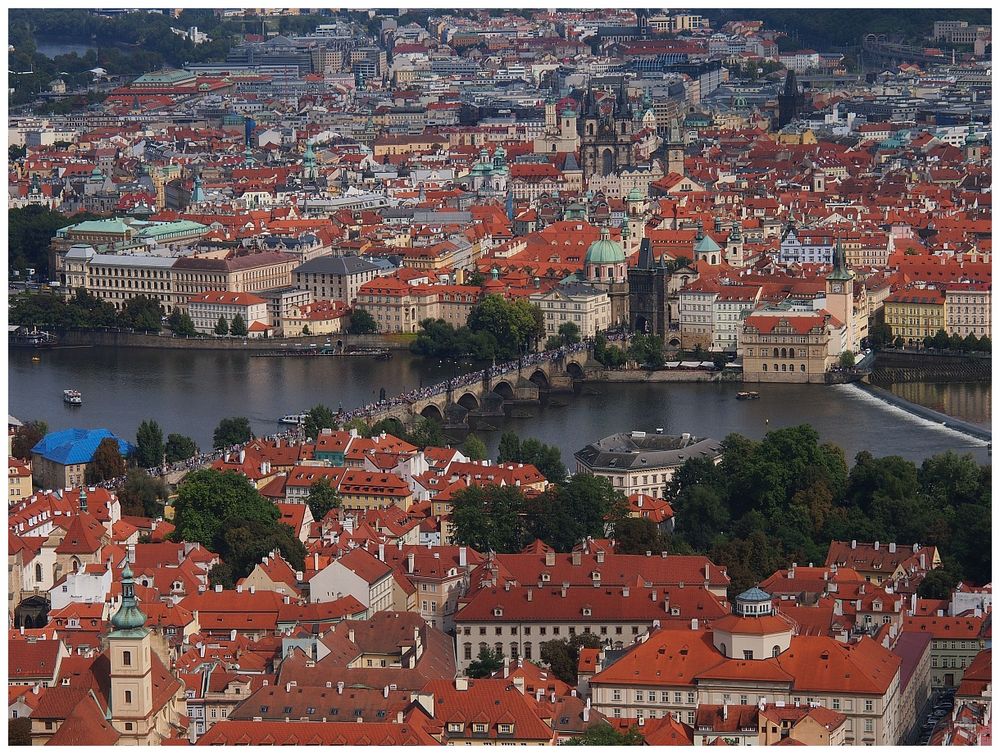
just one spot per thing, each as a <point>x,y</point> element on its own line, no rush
<point>635,195</point>
<point>706,245</point>
<point>604,250</point>
<point>129,616</point>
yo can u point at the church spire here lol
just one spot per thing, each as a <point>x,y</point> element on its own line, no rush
<point>840,271</point>
<point>129,616</point>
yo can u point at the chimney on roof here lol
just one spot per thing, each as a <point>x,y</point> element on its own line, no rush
<point>892,547</point>
<point>565,586</point>
<point>640,722</point>
<point>381,551</point>
<point>218,587</point>
<point>923,562</point>
<point>550,558</point>
<point>854,544</point>
<point>725,710</point>
<point>315,561</point>
<point>243,455</point>
<point>340,687</point>
<point>350,635</point>
<point>694,624</point>
<point>461,684</point>
<point>385,692</point>
<point>876,545</point>
<point>600,556</point>
<point>539,693</point>
<point>463,556</point>
<point>409,562</point>
<point>239,589</point>
<point>506,667</point>
<point>915,547</point>
<point>529,594</point>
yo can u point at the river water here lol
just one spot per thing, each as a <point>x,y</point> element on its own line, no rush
<point>189,391</point>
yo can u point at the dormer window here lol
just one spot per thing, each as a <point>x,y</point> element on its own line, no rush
<point>546,577</point>
<point>498,612</point>
<point>506,728</point>
<point>587,611</point>
<point>456,727</point>
<point>479,727</point>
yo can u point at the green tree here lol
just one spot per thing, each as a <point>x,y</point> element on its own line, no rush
<point>512,323</point>
<point>207,499</point>
<point>362,322</point>
<point>489,518</point>
<point>637,536</point>
<point>940,340</point>
<point>647,350</point>
<point>323,497</point>
<point>243,543</point>
<point>26,437</point>
<point>232,431</point>
<point>318,418</point>
<point>179,448</point>
<point>19,731</point>
<point>985,344</point>
<point>141,494</point>
<point>602,734</point>
<point>955,342</point>
<point>938,584</point>
<point>222,326</point>
<point>566,514</point>
<point>510,448</point>
<point>898,342</point>
<point>563,655</point>
<point>546,458</point>
<point>486,664</point>
<point>475,278</point>
<point>426,433</point>
<point>305,330</point>
<point>553,342</point>
<point>569,332</point>
<point>609,356</point>
<point>701,516</point>
<point>847,359</point>
<point>880,334</point>
<point>142,313</point>
<point>149,444</point>
<point>107,462</point>
<point>239,327</point>
<point>474,448</point>
<point>970,342</point>
<point>181,324</point>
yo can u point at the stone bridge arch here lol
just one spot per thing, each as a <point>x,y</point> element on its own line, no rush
<point>540,379</point>
<point>433,412</point>
<point>469,401</point>
<point>504,389</point>
<point>575,370</point>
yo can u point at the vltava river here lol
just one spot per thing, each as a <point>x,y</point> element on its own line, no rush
<point>189,391</point>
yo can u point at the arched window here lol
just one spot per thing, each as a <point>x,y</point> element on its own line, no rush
<point>765,367</point>
<point>775,353</point>
<point>783,367</point>
<point>775,650</point>
<point>513,650</point>
<point>791,353</point>
<point>802,367</point>
<point>467,650</point>
<point>499,648</point>
<point>527,650</point>
<point>38,573</point>
<point>784,353</point>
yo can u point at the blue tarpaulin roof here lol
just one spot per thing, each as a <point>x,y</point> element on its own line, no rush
<point>76,445</point>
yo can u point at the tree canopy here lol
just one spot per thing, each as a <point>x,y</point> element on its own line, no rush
<point>232,431</point>
<point>323,497</point>
<point>783,498</point>
<point>208,498</point>
<point>149,448</point>
<point>179,448</point>
<point>107,462</point>
<point>362,322</point>
<point>319,417</point>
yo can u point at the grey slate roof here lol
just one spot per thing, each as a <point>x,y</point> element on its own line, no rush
<point>329,265</point>
<point>624,451</point>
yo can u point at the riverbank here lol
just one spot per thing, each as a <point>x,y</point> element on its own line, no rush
<point>123,339</point>
<point>661,375</point>
<point>929,414</point>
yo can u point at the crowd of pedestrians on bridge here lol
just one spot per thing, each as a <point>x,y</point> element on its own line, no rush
<point>375,407</point>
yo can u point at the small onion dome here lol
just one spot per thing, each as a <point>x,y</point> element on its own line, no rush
<point>129,616</point>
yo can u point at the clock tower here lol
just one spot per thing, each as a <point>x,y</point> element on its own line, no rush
<point>840,293</point>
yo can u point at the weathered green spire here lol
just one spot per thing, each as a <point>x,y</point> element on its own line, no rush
<point>129,616</point>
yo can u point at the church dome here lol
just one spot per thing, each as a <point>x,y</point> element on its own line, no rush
<point>706,245</point>
<point>635,195</point>
<point>604,250</point>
